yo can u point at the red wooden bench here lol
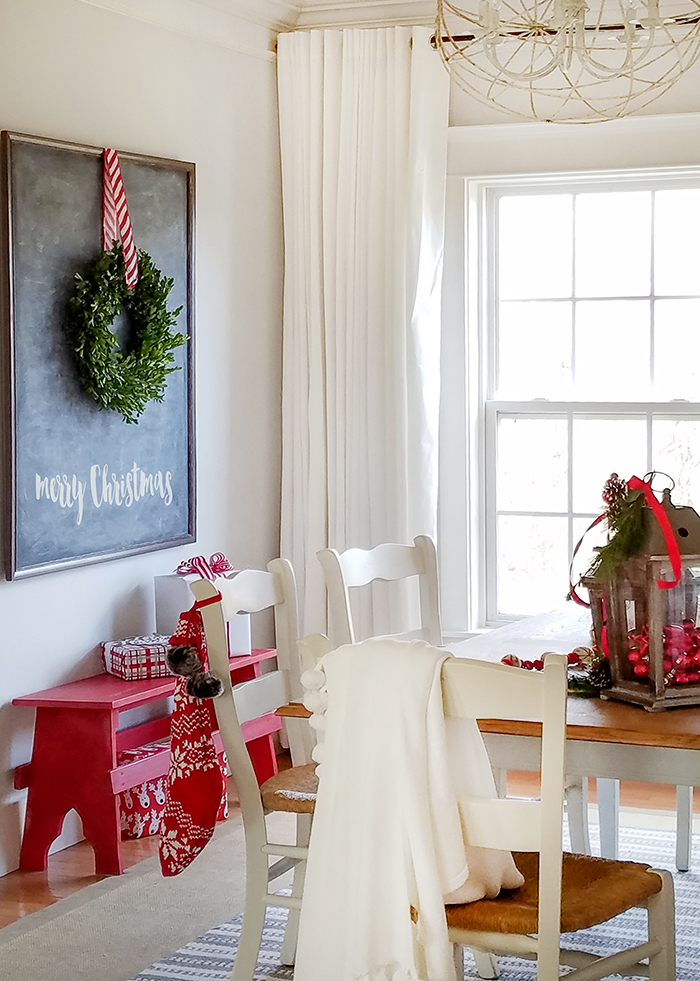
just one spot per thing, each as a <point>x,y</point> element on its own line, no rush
<point>75,759</point>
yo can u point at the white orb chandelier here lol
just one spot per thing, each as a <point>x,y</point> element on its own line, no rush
<point>565,61</point>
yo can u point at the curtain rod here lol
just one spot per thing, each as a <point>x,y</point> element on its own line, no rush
<point>681,20</point>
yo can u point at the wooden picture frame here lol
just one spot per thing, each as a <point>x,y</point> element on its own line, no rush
<point>81,485</point>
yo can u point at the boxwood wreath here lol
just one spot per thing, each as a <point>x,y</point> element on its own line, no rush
<point>125,381</point>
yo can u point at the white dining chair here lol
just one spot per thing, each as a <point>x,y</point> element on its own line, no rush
<point>292,790</point>
<point>391,563</point>
<point>356,567</point>
<point>563,892</point>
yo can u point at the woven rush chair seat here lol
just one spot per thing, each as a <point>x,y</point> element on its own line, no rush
<point>291,790</point>
<point>593,891</point>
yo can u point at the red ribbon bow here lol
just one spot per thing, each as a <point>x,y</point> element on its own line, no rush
<point>217,565</point>
<point>671,544</point>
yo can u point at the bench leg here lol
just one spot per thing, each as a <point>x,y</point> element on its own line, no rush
<point>74,752</point>
<point>263,757</point>
<point>42,825</point>
<point>102,828</point>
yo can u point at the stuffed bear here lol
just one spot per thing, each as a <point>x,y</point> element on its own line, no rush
<point>185,661</point>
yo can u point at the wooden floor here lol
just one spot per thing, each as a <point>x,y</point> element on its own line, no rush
<point>74,868</point>
<point>70,870</point>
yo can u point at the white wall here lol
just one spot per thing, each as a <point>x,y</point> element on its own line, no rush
<point>671,140</point>
<point>78,72</point>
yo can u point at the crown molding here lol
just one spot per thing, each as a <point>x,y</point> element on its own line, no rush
<point>366,13</point>
<point>246,26</point>
<point>250,26</point>
<point>276,15</point>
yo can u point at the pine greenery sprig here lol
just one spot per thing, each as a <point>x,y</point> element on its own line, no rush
<point>591,675</point>
<point>626,531</point>
<point>122,380</point>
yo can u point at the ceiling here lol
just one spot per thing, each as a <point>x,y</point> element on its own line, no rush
<point>289,14</point>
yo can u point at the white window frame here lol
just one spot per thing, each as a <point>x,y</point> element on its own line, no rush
<point>470,297</point>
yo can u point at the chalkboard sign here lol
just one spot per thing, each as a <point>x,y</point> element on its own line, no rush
<point>81,484</point>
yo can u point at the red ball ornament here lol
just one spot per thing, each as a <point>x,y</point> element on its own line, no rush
<point>641,669</point>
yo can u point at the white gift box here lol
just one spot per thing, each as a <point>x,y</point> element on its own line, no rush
<point>173,596</point>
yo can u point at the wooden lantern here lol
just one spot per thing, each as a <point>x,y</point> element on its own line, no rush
<point>652,634</point>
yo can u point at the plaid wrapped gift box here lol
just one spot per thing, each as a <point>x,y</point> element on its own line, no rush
<point>136,658</point>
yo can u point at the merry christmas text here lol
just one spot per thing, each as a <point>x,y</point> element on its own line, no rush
<point>106,488</point>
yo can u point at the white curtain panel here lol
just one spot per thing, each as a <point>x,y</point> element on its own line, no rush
<point>363,131</point>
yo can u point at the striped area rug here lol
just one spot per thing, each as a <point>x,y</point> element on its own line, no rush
<point>210,957</point>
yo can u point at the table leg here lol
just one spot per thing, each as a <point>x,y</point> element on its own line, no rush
<point>684,828</point>
<point>608,816</point>
<point>577,814</point>
<point>486,964</point>
<point>500,778</point>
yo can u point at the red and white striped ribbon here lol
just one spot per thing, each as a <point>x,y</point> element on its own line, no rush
<point>115,215</point>
<point>218,565</point>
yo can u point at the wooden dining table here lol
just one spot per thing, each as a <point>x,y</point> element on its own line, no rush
<point>607,740</point>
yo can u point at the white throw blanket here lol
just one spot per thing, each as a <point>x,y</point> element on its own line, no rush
<point>386,833</point>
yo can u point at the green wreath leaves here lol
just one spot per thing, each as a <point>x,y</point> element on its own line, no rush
<point>122,380</point>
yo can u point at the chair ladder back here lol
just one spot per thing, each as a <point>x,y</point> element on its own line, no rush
<point>312,648</point>
<point>214,622</point>
<point>254,590</point>
<point>286,624</point>
<point>249,591</point>
<point>479,690</point>
<point>429,590</point>
<point>504,823</point>
<point>554,679</point>
<point>482,690</point>
<point>388,562</point>
<point>339,612</point>
<point>301,736</point>
<point>260,696</point>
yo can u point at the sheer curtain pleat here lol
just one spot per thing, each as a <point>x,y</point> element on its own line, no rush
<point>363,131</point>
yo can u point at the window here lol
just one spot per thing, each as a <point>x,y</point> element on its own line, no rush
<point>584,307</point>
